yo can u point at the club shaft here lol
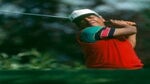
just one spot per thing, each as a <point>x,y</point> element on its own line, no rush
<point>32,14</point>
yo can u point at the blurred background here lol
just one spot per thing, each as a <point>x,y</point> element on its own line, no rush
<point>31,42</point>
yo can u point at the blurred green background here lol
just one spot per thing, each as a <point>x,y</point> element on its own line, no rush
<point>41,49</point>
<point>31,42</point>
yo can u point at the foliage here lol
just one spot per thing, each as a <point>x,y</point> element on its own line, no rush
<point>33,59</point>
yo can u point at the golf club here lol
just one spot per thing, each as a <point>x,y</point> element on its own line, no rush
<point>41,15</point>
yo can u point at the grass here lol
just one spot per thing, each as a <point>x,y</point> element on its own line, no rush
<point>85,76</point>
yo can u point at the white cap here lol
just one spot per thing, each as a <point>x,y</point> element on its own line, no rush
<point>77,13</point>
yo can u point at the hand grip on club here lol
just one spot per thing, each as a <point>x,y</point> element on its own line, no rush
<point>121,22</point>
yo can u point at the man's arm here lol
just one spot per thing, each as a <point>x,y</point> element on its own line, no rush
<point>125,28</point>
<point>132,40</point>
<point>120,29</point>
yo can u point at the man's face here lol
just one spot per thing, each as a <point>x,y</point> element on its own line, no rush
<point>91,20</point>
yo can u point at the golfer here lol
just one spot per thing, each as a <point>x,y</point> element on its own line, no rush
<point>106,46</point>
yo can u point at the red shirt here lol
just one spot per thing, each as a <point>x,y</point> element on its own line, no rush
<point>110,53</point>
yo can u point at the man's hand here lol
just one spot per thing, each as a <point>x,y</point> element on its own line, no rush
<point>120,23</point>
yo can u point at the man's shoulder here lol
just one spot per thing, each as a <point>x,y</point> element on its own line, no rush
<point>88,34</point>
